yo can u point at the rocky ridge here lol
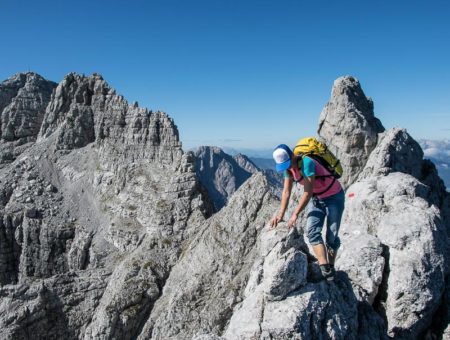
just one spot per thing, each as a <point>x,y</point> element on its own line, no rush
<point>23,99</point>
<point>349,127</point>
<point>106,232</point>
<point>222,174</point>
<point>77,228</point>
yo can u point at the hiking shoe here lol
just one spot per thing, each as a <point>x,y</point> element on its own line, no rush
<point>327,271</point>
<point>333,271</point>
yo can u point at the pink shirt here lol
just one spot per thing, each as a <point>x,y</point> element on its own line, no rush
<point>320,183</point>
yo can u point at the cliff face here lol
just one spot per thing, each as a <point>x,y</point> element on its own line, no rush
<point>221,174</point>
<point>23,99</point>
<point>85,109</point>
<point>397,214</point>
<point>106,231</point>
<point>93,216</point>
<point>348,125</point>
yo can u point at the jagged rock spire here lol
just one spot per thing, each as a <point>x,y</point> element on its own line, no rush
<point>349,127</point>
<point>84,110</point>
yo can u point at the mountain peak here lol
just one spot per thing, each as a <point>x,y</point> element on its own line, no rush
<point>23,99</point>
<point>349,127</point>
<point>106,229</point>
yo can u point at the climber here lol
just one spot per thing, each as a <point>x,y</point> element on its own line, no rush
<point>323,196</point>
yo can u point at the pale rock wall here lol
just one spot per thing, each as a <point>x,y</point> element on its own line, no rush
<point>348,125</point>
<point>107,233</point>
<point>23,99</point>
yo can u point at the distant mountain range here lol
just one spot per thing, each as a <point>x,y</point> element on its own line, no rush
<point>222,174</point>
<point>261,157</point>
<point>252,153</point>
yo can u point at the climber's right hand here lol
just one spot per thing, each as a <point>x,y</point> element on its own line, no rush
<point>275,220</point>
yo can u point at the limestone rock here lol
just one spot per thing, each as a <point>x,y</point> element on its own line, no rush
<point>348,125</point>
<point>396,152</point>
<point>221,174</point>
<point>396,221</point>
<point>245,163</point>
<point>127,299</point>
<point>361,258</point>
<point>86,109</point>
<point>23,99</point>
<point>315,311</point>
<point>304,309</point>
<point>276,181</point>
<point>210,277</point>
<point>207,337</point>
<point>286,272</point>
<point>105,191</point>
<point>53,308</point>
<point>79,250</point>
<point>412,233</point>
<point>107,232</point>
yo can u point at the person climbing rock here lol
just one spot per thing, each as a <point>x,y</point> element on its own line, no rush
<point>323,197</point>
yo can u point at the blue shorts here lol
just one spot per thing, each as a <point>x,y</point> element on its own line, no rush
<point>332,208</point>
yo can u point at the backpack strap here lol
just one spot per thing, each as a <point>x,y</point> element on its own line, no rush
<point>325,190</point>
<point>322,162</point>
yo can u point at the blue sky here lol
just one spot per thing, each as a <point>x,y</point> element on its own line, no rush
<point>244,74</point>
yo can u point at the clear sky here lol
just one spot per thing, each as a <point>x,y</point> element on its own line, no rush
<point>244,74</point>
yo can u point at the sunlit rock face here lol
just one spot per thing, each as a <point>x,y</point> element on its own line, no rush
<point>221,174</point>
<point>23,99</point>
<point>348,125</point>
<point>108,230</point>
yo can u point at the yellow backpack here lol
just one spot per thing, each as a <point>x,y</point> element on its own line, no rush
<point>317,150</point>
